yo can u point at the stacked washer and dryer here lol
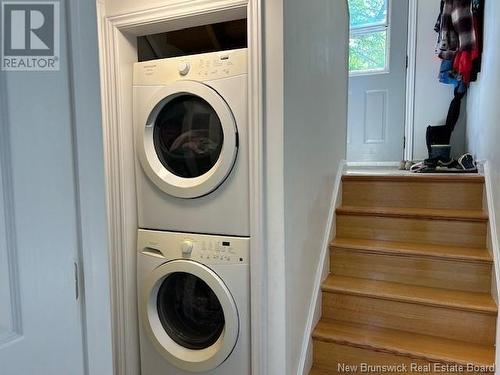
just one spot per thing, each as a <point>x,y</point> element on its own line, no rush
<point>190,118</point>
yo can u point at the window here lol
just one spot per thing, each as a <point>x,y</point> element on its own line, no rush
<point>368,36</point>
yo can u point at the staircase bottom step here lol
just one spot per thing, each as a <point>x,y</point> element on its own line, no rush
<point>337,343</point>
<point>320,371</point>
<point>331,358</point>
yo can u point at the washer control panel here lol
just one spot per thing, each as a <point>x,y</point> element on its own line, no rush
<point>202,67</point>
<point>206,249</point>
<point>218,251</point>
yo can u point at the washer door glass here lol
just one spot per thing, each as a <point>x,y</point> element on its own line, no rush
<point>188,136</point>
<point>187,139</point>
<point>189,311</point>
<point>189,315</point>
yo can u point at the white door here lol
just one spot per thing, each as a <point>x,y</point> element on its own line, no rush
<point>40,314</point>
<point>377,81</point>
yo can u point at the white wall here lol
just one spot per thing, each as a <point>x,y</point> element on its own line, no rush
<point>483,109</point>
<point>117,7</point>
<point>120,7</point>
<point>315,123</point>
<point>432,98</point>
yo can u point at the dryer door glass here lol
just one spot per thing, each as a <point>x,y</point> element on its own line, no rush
<point>188,136</point>
<point>189,311</point>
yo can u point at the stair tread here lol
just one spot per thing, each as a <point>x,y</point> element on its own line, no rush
<point>408,344</point>
<point>446,178</point>
<point>419,213</point>
<point>319,371</point>
<point>470,301</point>
<point>415,249</point>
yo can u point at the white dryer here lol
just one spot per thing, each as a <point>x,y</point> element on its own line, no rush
<point>190,119</point>
<point>193,301</point>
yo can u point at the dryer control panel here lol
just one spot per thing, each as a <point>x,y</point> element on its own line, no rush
<point>206,249</point>
<point>202,67</point>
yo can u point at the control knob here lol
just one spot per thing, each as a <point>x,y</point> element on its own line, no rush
<point>187,247</point>
<point>184,68</point>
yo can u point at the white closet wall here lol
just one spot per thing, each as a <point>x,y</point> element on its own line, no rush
<point>483,111</point>
<point>306,122</point>
<point>315,143</point>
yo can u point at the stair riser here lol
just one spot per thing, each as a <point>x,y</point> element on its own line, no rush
<point>330,355</point>
<point>443,232</point>
<point>404,194</point>
<point>421,319</point>
<point>445,274</point>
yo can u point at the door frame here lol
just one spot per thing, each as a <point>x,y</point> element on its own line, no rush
<point>117,46</point>
<point>92,272</point>
<point>411,53</point>
<point>409,123</point>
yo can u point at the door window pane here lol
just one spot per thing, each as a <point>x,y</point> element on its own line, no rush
<point>367,52</point>
<point>368,12</point>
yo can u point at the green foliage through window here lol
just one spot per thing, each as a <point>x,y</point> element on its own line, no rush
<point>367,43</point>
<point>367,51</point>
<point>368,12</point>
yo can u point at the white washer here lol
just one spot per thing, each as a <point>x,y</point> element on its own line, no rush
<point>191,138</point>
<point>193,302</point>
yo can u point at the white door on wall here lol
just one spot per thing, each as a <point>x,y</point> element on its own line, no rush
<point>40,314</point>
<point>377,80</point>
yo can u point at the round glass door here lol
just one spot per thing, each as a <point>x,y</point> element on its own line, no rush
<point>187,139</point>
<point>189,315</point>
<point>189,311</point>
<point>188,136</point>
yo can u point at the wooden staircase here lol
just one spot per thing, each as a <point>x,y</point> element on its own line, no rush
<point>410,278</point>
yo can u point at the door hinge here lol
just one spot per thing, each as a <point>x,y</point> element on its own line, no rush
<point>77,282</point>
<point>404,143</point>
<point>406,61</point>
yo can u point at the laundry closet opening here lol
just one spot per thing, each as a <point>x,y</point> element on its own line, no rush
<point>190,104</point>
<point>214,37</point>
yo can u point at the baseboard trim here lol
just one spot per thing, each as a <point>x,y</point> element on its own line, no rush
<point>495,249</point>
<point>373,163</point>
<point>305,362</point>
